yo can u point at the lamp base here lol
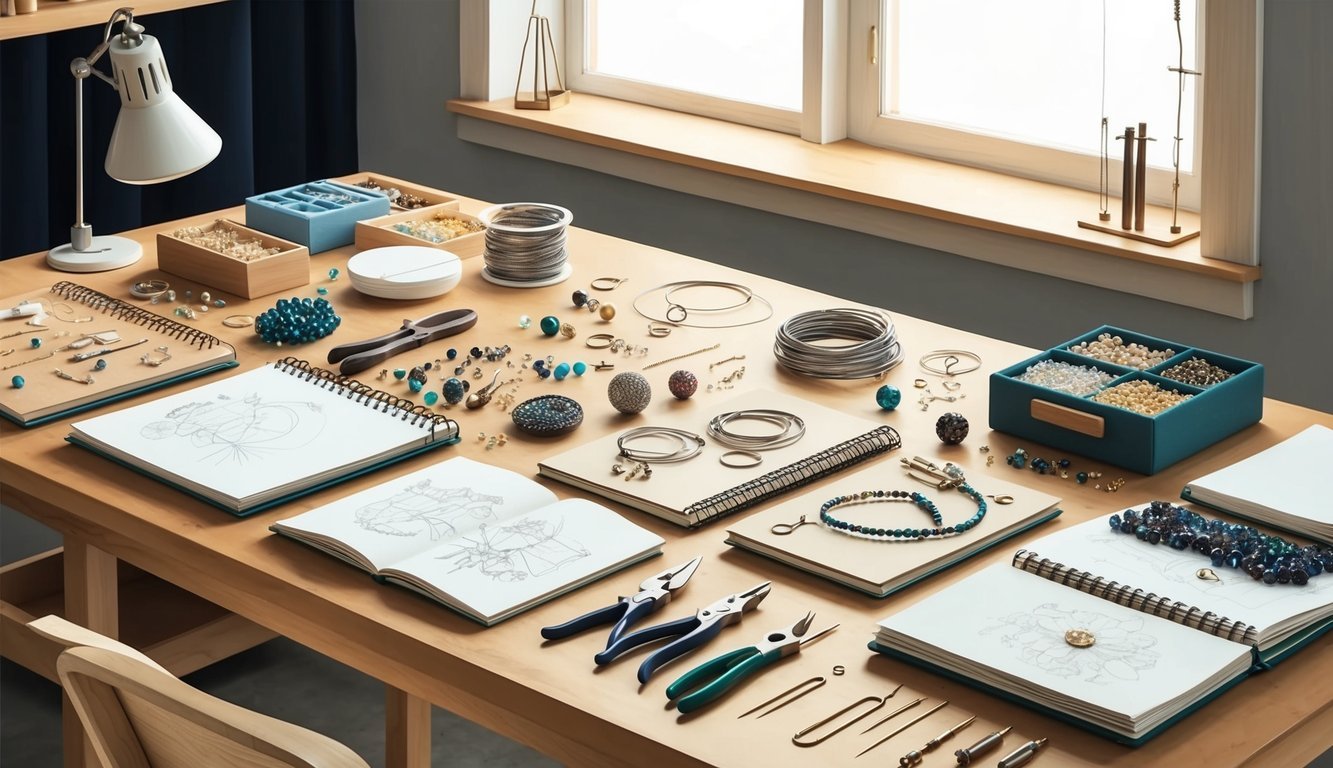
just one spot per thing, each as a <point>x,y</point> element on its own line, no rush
<point>107,252</point>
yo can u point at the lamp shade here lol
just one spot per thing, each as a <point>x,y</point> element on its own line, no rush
<point>157,136</point>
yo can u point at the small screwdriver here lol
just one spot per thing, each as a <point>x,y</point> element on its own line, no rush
<point>967,755</point>
<point>1022,755</point>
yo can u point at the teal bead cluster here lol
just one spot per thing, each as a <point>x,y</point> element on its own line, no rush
<point>888,397</point>
<point>909,533</point>
<point>297,321</point>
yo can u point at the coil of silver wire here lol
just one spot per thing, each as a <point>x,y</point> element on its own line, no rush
<point>525,243</point>
<point>871,347</point>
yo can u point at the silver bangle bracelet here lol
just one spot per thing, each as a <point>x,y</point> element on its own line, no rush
<point>688,445</point>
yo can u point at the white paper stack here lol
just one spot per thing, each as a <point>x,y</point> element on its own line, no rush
<point>405,272</point>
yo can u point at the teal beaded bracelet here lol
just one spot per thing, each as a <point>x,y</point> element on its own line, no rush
<point>920,499</point>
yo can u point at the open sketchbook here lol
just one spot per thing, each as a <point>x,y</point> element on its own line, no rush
<point>1285,486</point>
<point>484,541</point>
<point>78,321</point>
<point>264,436</point>
<point>881,568</point>
<point>1164,640</point>
<point>694,492</point>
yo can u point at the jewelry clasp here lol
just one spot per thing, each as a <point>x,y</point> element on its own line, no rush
<point>930,473</point>
<point>784,529</point>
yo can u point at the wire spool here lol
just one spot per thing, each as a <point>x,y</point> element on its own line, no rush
<point>872,347</point>
<point>525,244</point>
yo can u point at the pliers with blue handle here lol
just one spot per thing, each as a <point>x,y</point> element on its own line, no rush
<point>691,631</point>
<point>708,681</point>
<point>654,592</point>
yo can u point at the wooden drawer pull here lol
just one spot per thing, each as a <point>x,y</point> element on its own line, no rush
<point>1069,418</point>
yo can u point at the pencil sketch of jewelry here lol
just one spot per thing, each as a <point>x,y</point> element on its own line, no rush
<point>515,552</point>
<point>421,507</point>
<point>1122,650</point>
<point>239,430</point>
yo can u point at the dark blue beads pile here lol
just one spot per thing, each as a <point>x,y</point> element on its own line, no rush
<point>1270,559</point>
<point>920,499</point>
<point>297,321</point>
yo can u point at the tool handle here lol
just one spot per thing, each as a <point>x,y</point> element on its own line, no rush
<point>712,691</point>
<point>344,351</point>
<point>587,621</point>
<point>674,650</point>
<point>637,610</point>
<point>645,635</point>
<point>708,670</point>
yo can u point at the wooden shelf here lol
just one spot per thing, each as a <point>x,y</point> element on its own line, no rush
<point>180,631</point>
<point>58,15</point>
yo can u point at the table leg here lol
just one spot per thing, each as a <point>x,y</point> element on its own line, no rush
<point>406,730</point>
<point>91,601</point>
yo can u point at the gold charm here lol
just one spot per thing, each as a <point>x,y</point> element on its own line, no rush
<point>1080,638</point>
<point>1207,574</point>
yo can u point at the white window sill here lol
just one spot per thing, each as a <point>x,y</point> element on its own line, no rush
<point>978,214</point>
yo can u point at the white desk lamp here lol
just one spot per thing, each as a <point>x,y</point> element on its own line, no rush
<point>157,138</point>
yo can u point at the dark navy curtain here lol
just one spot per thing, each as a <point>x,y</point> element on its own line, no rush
<point>275,78</point>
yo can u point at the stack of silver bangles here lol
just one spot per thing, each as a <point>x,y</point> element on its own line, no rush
<point>525,242</point>
<point>873,346</point>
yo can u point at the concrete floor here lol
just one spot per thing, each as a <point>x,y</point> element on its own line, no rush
<point>278,678</point>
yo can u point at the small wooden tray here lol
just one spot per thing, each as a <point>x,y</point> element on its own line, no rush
<point>289,268</point>
<point>433,196</point>
<point>379,232</point>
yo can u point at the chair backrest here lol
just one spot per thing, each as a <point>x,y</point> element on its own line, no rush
<point>138,715</point>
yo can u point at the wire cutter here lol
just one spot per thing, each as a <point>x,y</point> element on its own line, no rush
<point>654,592</point>
<point>708,681</point>
<point>360,355</point>
<point>691,631</point>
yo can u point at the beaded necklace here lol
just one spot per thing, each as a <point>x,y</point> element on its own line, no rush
<point>920,499</point>
<point>1270,559</point>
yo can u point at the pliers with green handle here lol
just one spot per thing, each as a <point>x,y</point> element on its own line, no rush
<point>710,680</point>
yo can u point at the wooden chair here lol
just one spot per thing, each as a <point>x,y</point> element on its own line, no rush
<point>138,715</point>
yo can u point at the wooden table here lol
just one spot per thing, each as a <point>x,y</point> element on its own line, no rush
<point>169,549</point>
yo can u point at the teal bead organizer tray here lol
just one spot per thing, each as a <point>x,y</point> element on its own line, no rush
<point>318,214</point>
<point>1118,436</point>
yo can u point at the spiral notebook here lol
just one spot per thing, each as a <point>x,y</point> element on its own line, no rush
<point>265,436</point>
<point>691,493</point>
<point>1163,640</point>
<point>79,321</point>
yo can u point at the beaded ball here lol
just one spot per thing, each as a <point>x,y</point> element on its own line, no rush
<point>455,390</point>
<point>951,428</point>
<point>888,397</point>
<point>629,392</point>
<point>547,415</point>
<point>683,384</point>
<point>295,321</point>
<point>550,325</point>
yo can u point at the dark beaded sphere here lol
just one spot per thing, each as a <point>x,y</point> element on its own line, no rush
<point>297,321</point>
<point>683,384</point>
<point>548,415</point>
<point>580,298</point>
<point>454,391</point>
<point>550,325</point>
<point>888,397</point>
<point>951,428</point>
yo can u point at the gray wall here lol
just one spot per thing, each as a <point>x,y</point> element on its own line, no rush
<point>406,132</point>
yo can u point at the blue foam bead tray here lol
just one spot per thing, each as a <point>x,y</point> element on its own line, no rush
<point>320,215</point>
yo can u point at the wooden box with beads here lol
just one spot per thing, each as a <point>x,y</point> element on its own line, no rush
<point>1127,399</point>
<point>437,226</point>
<point>234,259</point>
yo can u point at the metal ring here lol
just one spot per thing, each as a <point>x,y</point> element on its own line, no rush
<point>684,313</point>
<point>238,321</point>
<point>607,283</point>
<point>756,458</point>
<point>658,330</point>
<point>147,289</point>
<point>603,341</point>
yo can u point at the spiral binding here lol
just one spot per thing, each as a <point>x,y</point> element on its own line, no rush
<point>1137,599</point>
<point>826,462</point>
<point>363,394</point>
<point>122,310</point>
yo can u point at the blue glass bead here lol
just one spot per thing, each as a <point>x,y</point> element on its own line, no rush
<point>1299,577</point>
<point>1270,576</point>
<point>550,325</point>
<point>545,373</point>
<point>415,385</point>
<point>100,365</point>
<point>451,354</point>
<point>580,368</point>
<point>1141,533</point>
<point>888,397</point>
<point>219,303</point>
<point>35,342</point>
<point>1154,537</point>
<point>1081,477</point>
<point>17,382</point>
<point>524,322</point>
<point>322,291</point>
<point>561,371</point>
<point>431,398</point>
<point>400,373</point>
<point>454,390</point>
<point>1233,559</point>
<point>1284,575</point>
<point>1064,463</point>
<point>538,365</point>
<point>333,273</point>
<point>1218,556</point>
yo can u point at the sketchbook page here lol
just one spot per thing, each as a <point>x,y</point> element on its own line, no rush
<point>673,487</point>
<point>1289,479</point>
<point>255,433</point>
<point>879,566</point>
<point>525,559</point>
<point>1007,628</point>
<point>1273,610</point>
<point>410,514</point>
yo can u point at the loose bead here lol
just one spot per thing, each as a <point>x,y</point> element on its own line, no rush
<point>580,368</point>
<point>550,325</point>
<point>888,397</point>
<point>17,382</point>
<point>524,322</point>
